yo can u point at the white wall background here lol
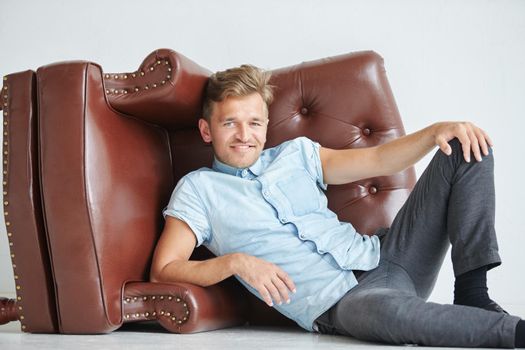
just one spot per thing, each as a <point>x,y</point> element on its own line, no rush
<point>445,59</point>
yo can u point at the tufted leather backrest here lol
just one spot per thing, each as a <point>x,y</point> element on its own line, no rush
<point>344,102</point>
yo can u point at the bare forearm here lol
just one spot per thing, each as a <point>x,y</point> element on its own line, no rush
<point>405,151</point>
<point>203,273</point>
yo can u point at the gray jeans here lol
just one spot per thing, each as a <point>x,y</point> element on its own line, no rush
<point>452,203</point>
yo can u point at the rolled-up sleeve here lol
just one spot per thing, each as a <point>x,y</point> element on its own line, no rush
<point>312,159</point>
<point>186,205</point>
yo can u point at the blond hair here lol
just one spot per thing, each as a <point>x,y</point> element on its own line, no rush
<point>236,82</point>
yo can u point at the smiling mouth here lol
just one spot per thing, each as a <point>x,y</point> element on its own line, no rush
<point>242,148</point>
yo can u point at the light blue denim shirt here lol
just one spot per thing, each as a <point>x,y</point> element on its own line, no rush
<point>276,210</point>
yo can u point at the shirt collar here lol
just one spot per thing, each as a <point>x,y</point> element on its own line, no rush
<point>255,168</point>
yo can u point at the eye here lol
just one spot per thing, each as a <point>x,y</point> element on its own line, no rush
<point>256,124</point>
<point>228,124</point>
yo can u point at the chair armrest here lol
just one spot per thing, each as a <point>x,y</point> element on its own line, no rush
<point>184,307</point>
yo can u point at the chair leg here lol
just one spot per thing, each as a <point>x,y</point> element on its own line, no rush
<point>8,310</point>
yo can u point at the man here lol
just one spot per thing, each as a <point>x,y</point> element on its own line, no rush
<point>264,215</point>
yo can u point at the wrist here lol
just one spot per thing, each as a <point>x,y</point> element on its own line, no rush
<point>235,262</point>
<point>433,131</point>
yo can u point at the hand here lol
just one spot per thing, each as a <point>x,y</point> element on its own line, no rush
<point>268,279</point>
<point>470,136</point>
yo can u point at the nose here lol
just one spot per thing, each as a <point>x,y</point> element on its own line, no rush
<point>243,133</point>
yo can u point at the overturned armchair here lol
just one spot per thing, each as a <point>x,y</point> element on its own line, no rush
<point>91,158</point>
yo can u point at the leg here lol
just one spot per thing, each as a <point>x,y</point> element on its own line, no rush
<point>452,202</point>
<point>384,307</point>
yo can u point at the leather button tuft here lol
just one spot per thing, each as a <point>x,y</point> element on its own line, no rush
<point>366,131</point>
<point>372,190</point>
<point>304,111</point>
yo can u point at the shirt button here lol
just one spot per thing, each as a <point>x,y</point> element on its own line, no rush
<point>301,236</point>
<point>266,193</point>
<point>244,172</point>
<point>283,219</point>
<point>321,251</point>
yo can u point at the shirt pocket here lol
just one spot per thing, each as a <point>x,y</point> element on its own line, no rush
<point>300,191</point>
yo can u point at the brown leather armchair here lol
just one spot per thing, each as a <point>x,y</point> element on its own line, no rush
<point>90,160</point>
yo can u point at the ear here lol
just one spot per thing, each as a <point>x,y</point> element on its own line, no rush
<point>204,128</point>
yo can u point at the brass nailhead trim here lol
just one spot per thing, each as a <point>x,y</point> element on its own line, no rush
<point>164,313</point>
<point>141,73</point>
<point>6,203</point>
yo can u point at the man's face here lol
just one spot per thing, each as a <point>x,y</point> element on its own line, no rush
<point>237,129</point>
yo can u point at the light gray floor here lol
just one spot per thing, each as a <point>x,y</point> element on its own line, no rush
<point>154,337</point>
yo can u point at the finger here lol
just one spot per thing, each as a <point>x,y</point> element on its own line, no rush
<point>283,290</point>
<point>273,292</point>
<point>474,145</point>
<point>482,142</point>
<point>287,280</point>
<point>265,295</point>
<point>491,144</point>
<point>444,146</point>
<point>465,146</point>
